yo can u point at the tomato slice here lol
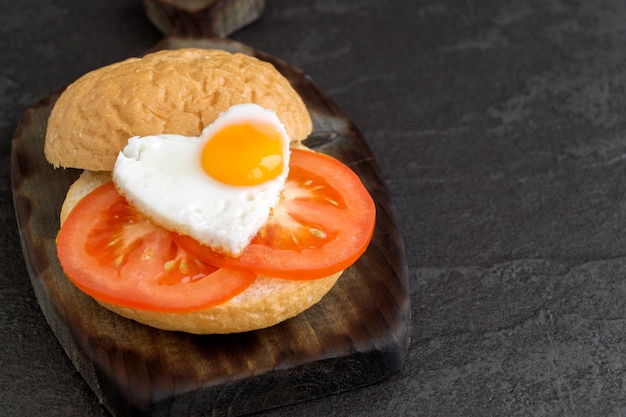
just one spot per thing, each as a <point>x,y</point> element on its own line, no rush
<point>113,253</point>
<point>323,224</point>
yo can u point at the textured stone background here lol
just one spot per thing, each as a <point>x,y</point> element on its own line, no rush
<point>499,127</point>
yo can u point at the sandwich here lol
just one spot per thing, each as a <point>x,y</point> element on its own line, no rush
<point>199,209</point>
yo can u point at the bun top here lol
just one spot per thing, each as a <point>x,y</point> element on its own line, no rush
<point>171,91</point>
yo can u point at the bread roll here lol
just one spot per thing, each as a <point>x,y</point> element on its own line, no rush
<point>171,91</point>
<point>181,92</point>
<point>266,302</point>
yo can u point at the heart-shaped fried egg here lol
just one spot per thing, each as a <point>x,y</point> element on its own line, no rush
<point>218,188</point>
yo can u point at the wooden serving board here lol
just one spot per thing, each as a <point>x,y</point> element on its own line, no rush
<point>357,335</point>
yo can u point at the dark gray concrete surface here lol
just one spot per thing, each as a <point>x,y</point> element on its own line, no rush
<point>500,129</point>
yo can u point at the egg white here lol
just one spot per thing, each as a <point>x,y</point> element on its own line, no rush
<point>162,176</point>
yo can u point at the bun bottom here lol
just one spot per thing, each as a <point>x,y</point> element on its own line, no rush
<point>268,301</point>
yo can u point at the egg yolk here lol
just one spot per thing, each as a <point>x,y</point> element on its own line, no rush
<point>244,154</point>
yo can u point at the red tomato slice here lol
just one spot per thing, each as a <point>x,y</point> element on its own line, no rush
<point>322,226</point>
<point>113,253</point>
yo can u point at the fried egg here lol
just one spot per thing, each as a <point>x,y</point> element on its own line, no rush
<point>218,188</point>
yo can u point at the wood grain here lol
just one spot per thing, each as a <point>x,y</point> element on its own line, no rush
<point>357,335</point>
<point>202,18</point>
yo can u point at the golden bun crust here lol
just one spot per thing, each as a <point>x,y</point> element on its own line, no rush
<point>171,91</point>
<point>266,302</point>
